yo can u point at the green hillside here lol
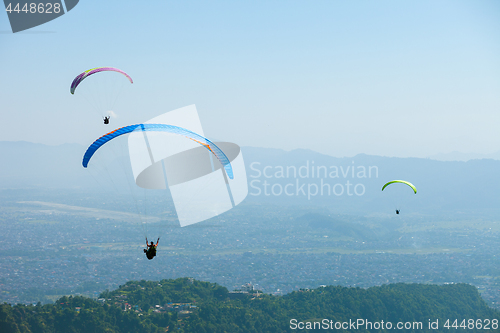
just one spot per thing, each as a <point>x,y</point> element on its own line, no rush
<point>188,305</point>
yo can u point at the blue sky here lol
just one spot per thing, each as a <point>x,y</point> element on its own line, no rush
<point>393,78</point>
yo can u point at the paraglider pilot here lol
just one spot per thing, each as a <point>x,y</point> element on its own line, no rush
<point>151,249</point>
<point>397,211</point>
<point>106,120</point>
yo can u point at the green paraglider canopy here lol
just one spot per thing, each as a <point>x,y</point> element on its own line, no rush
<point>403,182</point>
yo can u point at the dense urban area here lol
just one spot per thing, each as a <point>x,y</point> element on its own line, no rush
<point>56,243</point>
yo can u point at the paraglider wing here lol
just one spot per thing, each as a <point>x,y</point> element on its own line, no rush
<point>86,74</point>
<point>160,128</point>
<point>403,182</point>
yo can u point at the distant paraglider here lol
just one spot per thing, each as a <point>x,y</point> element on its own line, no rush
<point>103,90</point>
<point>402,182</point>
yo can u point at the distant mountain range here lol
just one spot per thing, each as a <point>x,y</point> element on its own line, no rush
<point>351,185</point>
<point>457,156</point>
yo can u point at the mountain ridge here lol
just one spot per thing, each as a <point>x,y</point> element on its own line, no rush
<point>344,184</point>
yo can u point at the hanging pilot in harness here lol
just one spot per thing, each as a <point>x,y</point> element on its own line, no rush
<point>151,249</point>
<point>106,120</point>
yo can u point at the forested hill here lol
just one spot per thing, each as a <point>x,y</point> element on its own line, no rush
<point>187,305</point>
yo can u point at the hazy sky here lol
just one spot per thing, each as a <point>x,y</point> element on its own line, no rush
<point>394,78</point>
